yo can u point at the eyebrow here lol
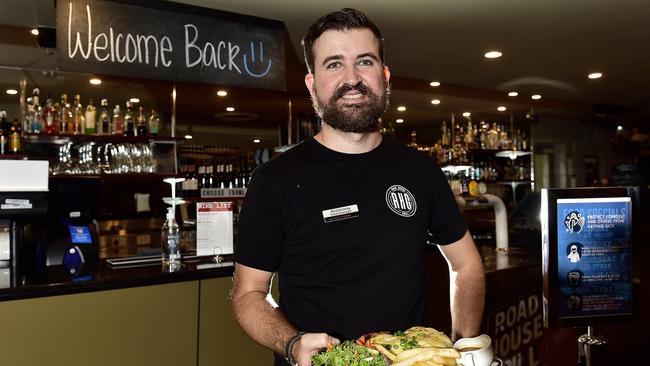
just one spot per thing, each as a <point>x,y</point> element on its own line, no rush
<point>339,57</point>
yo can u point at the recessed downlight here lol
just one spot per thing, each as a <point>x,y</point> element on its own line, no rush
<point>222,93</point>
<point>435,101</point>
<point>434,83</point>
<point>230,109</point>
<point>401,108</point>
<point>95,81</point>
<point>536,97</point>
<point>501,108</point>
<point>513,94</point>
<point>34,31</point>
<point>399,120</point>
<point>619,128</point>
<point>493,54</point>
<point>12,91</point>
<point>595,75</point>
<point>134,100</point>
<point>257,141</point>
<point>466,114</point>
<point>188,137</point>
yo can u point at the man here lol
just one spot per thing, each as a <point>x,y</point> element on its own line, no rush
<point>344,217</point>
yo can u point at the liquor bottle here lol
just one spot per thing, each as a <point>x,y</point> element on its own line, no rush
<point>413,143</point>
<point>154,123</point>
<point>469,136</point>
<point>104,118</point>
<point>49,115</point>
<point>201,177</point>
<point>4,132</point>
<point>209,176</point>
<point>141,126</point>
<point>118,122</point>
<point>79,119</point>
<point>69,118</point>
<point>444,132</point>
<point>63,114</point>
<point>15,139</point>
<point>91,119</point>
<point>194,182</point>
<point>36,124</point>
<point>129,121</point>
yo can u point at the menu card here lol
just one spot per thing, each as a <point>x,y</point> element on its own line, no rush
<point>214,228</point>
<point>593,255</point>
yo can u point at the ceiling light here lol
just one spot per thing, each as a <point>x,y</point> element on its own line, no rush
<point>95,81</point>
<point>434,83</point>
<point>230,109</point>
<point>12,91</point>
<point>493,54</point>
<point>501,108</point>
<point>595,75</point>
<point>134,100</point>
<point>222,93</point>
<point>466,114</point>
<point>399,120</point>
<point>188,137</point>
<point>536,96</point>
<point>513,94</point>
<point>401,108</point>
<point>619,128</point>
<point>257,141</point>
<point>34,31</point>
<point>435,101</point>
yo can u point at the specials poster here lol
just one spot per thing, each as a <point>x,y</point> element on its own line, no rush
<point>593,256</point>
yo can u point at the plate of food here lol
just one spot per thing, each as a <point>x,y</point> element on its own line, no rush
<point>416,346</point>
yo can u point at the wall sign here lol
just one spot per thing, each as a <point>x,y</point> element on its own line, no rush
<point>168,41</point>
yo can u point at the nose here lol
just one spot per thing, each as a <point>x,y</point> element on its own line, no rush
<point>352,76</point>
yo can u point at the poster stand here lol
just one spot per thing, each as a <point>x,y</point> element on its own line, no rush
<point>592,349</point>
<point>588,237</point>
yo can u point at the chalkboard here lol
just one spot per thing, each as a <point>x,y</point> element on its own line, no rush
<point>169,41</point>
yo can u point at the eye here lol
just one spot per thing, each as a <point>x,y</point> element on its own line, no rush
<point>333,65</point>
<point>366,62</point>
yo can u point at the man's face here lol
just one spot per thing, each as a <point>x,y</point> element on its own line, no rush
<point>349,86</point>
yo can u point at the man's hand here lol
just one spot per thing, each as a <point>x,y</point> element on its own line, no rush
<point>309,344</point>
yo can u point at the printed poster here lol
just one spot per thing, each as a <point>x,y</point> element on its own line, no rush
<point>593,256</point>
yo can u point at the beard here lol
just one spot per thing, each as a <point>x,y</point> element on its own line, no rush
<point>355,118</point>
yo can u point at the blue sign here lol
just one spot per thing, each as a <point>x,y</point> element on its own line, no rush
<point>594,237</point>
<point>80,235</point>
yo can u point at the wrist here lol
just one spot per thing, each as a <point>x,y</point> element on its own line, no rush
<point>289,345</point>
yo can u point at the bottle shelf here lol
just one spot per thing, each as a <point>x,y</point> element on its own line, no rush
<point>36,138</point>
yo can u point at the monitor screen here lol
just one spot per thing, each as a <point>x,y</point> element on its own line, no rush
<point>80,234</point>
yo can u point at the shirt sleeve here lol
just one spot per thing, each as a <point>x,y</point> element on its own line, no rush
<point>447,224</point>
<point>259,235</point>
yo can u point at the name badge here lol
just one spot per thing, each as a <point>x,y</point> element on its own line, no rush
<point>341,213</point>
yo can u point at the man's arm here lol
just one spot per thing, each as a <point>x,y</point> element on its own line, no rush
<point>467,286</point>
<point>259,316</point>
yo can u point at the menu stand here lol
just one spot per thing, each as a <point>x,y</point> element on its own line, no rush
<point>592,349</point>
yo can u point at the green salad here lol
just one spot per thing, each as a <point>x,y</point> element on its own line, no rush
<point>348,353</point>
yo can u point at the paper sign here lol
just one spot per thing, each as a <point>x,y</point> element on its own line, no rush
<point>214,228</point>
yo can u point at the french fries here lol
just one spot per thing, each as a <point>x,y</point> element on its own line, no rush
<point>416,346</point>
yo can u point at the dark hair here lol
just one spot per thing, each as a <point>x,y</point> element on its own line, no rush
<point>344,19</point>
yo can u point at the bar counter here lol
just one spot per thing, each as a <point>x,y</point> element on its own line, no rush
<point>140,311</point>
<point>58,280</point>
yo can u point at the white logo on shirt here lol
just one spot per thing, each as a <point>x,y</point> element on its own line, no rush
<point>401,201</point>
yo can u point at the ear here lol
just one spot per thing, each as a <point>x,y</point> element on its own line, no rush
<point>309,82</point>
<point>386,73</point>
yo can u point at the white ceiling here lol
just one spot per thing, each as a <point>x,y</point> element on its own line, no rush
<point>549,46</point>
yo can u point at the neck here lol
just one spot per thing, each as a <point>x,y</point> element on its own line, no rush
<point>348,142</point>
